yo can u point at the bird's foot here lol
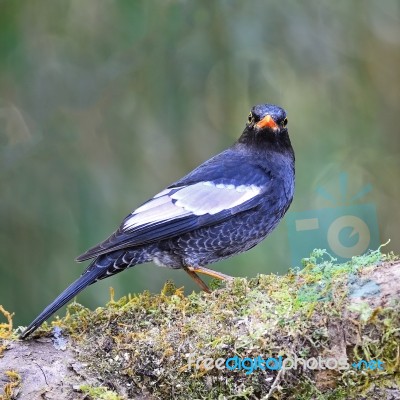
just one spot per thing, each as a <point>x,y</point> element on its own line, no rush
<point>193,271</point>
<point>197,279</point>
<point>210,272</point>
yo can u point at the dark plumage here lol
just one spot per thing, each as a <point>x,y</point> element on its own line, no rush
<point>224,207</point>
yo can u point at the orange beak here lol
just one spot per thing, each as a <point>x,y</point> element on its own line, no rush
<point>266,122</point>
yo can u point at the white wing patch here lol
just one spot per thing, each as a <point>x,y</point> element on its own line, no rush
<point>159,209</point>
<point>198,199</point>
<point>208,198</point>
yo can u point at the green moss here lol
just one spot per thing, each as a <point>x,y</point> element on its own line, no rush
<point>99,393</point>
<point>142,343</point>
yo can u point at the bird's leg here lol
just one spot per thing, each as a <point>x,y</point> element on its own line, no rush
<point>197,279</point>
<point>210,272</point>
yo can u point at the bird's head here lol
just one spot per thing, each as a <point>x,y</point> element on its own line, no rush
<point>266,124</point>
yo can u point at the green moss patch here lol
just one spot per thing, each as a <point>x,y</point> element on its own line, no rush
<point>141,344</point>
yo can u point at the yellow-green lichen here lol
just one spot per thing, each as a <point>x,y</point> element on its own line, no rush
<point>14,380</point>
<point>6,328</point>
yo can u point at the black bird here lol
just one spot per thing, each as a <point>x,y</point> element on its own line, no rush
<point>225,206</point>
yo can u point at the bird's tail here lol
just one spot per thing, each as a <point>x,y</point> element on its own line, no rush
<point>90,276</point>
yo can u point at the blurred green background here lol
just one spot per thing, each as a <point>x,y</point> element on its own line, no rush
<point>104,103</point>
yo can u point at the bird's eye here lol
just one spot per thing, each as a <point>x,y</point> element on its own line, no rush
<point>284,122</point>
<point>250,118</point>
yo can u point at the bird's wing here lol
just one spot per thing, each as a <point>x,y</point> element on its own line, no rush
<point>189,204</point>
